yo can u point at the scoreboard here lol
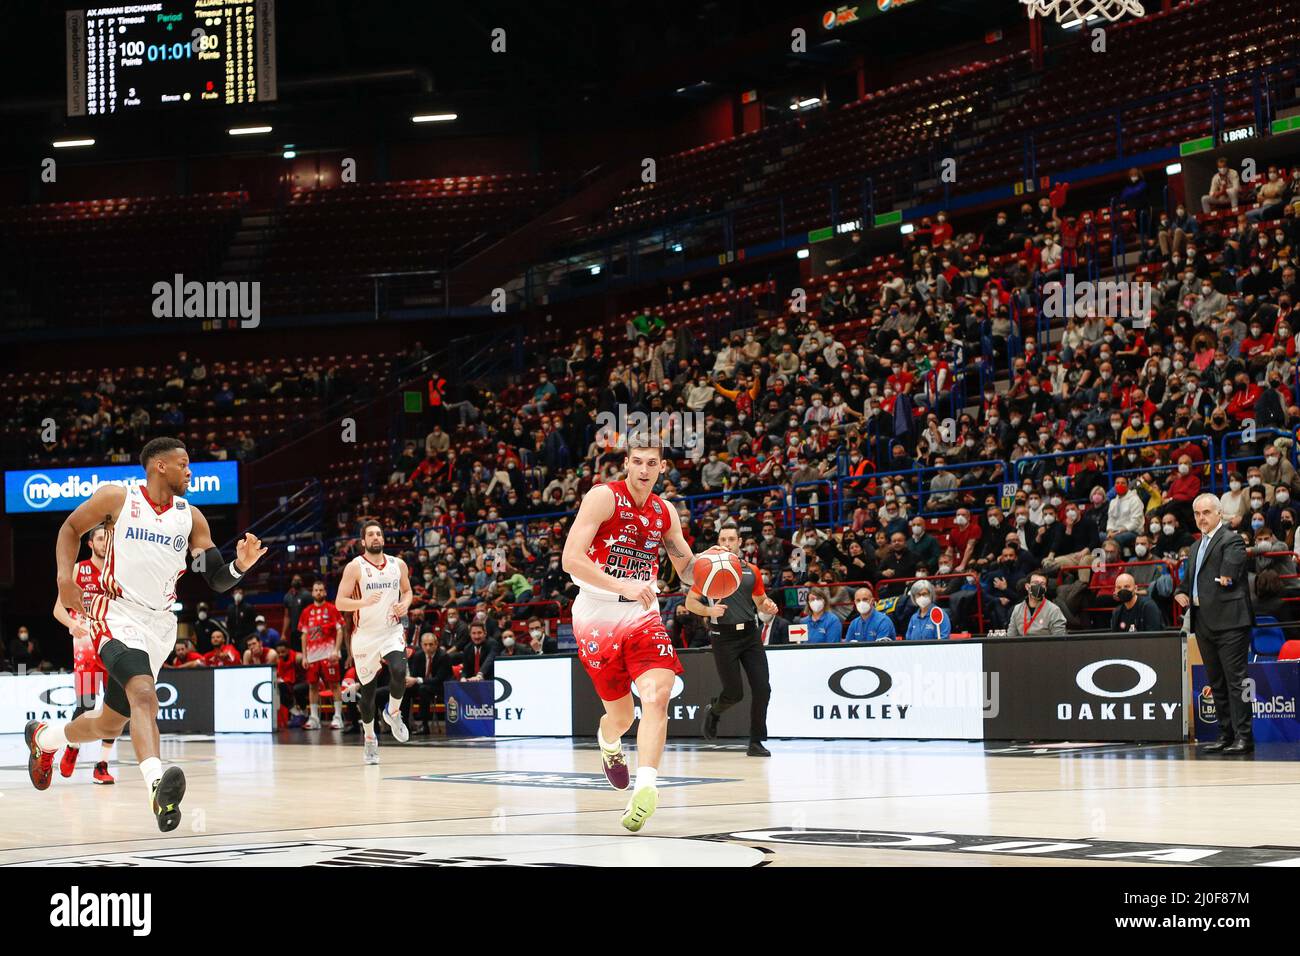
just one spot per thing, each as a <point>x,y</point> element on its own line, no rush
<point>139,56</point>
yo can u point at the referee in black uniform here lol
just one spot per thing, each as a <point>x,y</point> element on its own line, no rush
<point>737,642</point>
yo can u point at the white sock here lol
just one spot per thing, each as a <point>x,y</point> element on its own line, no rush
<point>394,705</point>
<point>607,747</point>
<point>105,751</point>
<point>52,737</point>
<point>315,711</point>
<point>369,727</point>
<point>151,770</point>
<point>646,777</point>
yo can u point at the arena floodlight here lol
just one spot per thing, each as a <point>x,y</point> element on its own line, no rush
<point>433,118</point>
<point>801,254</point>
<point>69,143</point>
<point>907,228</point>
<point>1173,169</point>
<point>248,130</point>
<point>290,153</point>
<point>595,270</point>
<point>676,247</point>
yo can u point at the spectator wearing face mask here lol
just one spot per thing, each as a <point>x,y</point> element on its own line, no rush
<point>1276,470</point>
<point>267,636</point>
<point>898,561</point>
<point>1283,508</point>
<point>869,624</point>
<point>204,625</point>
<point>1036,616</point>
<point>1184,485</point>
<point>1133,612</point>
<point>1124,515</point>
<point>1173,537</point>
<point>923,545</point>
<point>824,626</point>
<point>1225,187</point>
<point>1077,539</point>
<point>930,622</point>
<point>240,619</point>
<point>963,538</point>
<point>1234,503</point>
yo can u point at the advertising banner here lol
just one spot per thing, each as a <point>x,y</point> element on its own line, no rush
<point>62,489</point>
<point>878,690</point>
<point>470,710</point>
<point>245,699</point>
<point>692,691</point>
<point>1087,688</point>
<point>1276,691</point>
<point>533,696</point>
<point>190,701</point>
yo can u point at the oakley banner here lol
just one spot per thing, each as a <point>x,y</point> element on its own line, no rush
<point>1088,688</point>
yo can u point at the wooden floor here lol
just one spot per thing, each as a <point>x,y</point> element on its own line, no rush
<point>306,798</point>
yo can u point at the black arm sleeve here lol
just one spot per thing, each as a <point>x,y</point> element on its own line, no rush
<point>220,576</point>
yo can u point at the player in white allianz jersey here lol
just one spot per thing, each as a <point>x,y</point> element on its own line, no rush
<point>152,531</point>
<point>376,592</point>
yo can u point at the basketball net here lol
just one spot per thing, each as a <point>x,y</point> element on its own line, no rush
<point>1069,10</point>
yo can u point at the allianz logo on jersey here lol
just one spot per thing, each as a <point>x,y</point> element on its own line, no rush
<point>176,542</point>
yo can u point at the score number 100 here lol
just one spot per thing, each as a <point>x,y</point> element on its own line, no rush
<point>154,52</point>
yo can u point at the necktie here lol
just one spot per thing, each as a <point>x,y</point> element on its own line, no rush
<point>477,654</point>
<point>428,667</point>
<point>1196,573</point>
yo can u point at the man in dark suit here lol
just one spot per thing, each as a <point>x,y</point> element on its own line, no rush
<point>1214,592</point>
<point>478,655</point>
<point>429,669</point>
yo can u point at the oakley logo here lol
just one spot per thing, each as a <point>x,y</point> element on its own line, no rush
<point>63,691</point>
<point>1146,678</point>
<point>837,680</point>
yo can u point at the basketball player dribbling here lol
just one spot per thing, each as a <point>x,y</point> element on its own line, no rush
<point>612,554</point>
<point>88,670</point>
<point>151,530</point>
<point>378,593</point>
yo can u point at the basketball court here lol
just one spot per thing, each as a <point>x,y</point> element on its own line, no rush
<point>299,800</point>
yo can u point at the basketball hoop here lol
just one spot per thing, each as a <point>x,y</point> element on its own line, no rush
<point>1080,10</point>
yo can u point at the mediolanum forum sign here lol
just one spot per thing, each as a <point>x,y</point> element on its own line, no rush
<point>62,489</point>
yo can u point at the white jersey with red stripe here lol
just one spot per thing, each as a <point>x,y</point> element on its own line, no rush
<point>147,552</point>
<point>384,579</point>
<point>375,632</point>
<point>627,543</point>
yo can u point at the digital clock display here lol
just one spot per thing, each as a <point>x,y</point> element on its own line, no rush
<point>159,55</point>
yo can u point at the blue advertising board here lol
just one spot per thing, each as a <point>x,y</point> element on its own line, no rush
<point>1277,693</point>
<point>470,708</point>
<point>62,489</point>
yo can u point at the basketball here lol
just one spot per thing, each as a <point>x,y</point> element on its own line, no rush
<point>717,573</point>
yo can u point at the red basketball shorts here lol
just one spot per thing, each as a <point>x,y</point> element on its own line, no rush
<point>618,641</point>
<point>326,671</point>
